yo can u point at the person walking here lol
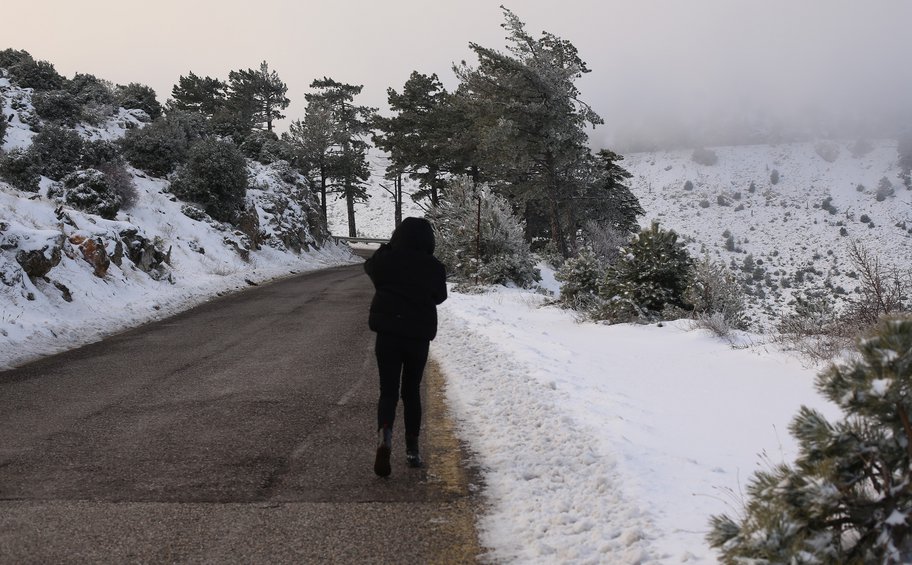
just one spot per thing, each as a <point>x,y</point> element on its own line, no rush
<point>409,283</point>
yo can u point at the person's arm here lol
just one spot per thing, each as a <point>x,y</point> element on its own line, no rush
<point>439,292</point>
<point>370,266</point>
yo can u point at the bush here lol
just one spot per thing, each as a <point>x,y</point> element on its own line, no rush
<point>215,176</point>
<point>884,189</point>
<point>3,126</point>
<point>580,277</point>
<point>90,191</point>
<point>827,150</point>
<point>688,185</point>
<point>39,75</point>
<point>56,151</point>
<point>161,146</point>
<point>57,106</point>
<point>774,177</point>
<point>714,292</point>
<point>652,275</point>
<point>845,498</point>
<point>120,181</point>
<point>18,169</point>
<point>98,152</point>
<point>604,240</point>
<point>140,96</point>
<point>10,58</point>
<point>704,156</point>
<point>254,142</point>
<point>504,254</point>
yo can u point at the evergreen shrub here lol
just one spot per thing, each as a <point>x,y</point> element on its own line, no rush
<point>19,169</point>
<point>135,95</point>
<point>505,257</point>
<point>56,151</point>
<point>161,146</point>
<point>846,497</point>
<point>89,190</point>
<point>651,275</point>
<point>214,176</point>
<point>57,106</point>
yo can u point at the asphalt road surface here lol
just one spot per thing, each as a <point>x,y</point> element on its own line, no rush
<point>240,431</point>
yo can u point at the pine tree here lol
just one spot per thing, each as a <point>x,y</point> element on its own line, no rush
<point>313,139</point>
<point>348,169</point>
<point>418,136</point>
<point>498,253</point>
<point>203,95</point>
<point>652,273</point>
<point>847,498</point>
<point>530,122</point>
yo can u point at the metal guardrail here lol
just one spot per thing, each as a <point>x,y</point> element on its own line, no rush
<point>345,238</point>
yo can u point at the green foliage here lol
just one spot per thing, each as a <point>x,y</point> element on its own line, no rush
<point>206,96</point>
<point>258,96</point>
<point>846,499</point>
<point>39,75</point>
<point>714,290</point>
<point>56,151</point>
<point>214,176</point>
<point>90,191</point>
<point>135,95</point>
<point>162,145</point>
<point>97,152</point>
<point>19,169</point>
<point>89,89</point>
<point>419,136</point>
<point>500,255</point>
<point>580,277</point>
<point>57,106</point>
<point>652,274</point>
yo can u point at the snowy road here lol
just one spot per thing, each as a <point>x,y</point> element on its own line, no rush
<point>239,431</point>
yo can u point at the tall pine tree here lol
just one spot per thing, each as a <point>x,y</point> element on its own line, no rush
<point>531,122</point>
<point>349,170</point>
<point>203,95</point>
<point>313,140</point>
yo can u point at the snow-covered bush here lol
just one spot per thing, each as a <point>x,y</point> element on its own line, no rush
<point>580,277</point>
<point>57,106</point>
<point>135,95</point>
<point>214,176</point>
<point>827,150</point>
<point>504,254</point>
<point>715,294</point>
<point>813,328</point>
<point>774,176</point>
<point>846,498</point>
<point>3,125</point>
<point>604,240</point>
<point>884,189</point>
<point>90,191</point>
<point>703,156</point>
<point>39,75</point>
<point>18,169</point>
<point>120,181</point>
<point>161,146</point>
<point>56,151</point>
<point>652,274</point>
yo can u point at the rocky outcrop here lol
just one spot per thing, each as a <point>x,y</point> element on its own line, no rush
<point>94,252</point>
<point>39,262</point>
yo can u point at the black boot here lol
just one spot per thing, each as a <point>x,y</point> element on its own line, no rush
<point>412,456</point>
<point>382,462</point>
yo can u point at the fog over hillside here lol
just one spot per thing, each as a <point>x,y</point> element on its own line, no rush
<point>663,74</point>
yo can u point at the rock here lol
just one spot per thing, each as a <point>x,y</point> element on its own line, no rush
<point>142,252</point>
<point>94,253</point>
<point>39,262</point>
<point>248,222</point>
<point>67,295</point>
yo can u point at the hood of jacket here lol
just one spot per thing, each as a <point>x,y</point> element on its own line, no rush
<point>415,234</point>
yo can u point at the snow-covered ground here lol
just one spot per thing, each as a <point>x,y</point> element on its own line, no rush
<point>610,444</point>
<point>73,305</point>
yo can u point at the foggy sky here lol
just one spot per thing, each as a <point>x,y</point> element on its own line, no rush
<point>659,68</point>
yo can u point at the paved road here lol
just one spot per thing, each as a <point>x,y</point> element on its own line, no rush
<point>239,431</point>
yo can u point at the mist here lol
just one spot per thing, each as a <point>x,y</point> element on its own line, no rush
<point>664,73</point>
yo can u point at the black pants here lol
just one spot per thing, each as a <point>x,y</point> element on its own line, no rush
<point>400,358</point>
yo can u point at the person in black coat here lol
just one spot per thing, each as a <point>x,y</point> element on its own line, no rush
<point>409,282</point>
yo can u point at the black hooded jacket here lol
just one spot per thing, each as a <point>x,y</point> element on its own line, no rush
<point>409,281</point>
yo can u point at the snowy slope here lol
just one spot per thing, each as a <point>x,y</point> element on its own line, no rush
<point>73,305</point>
<point>785,225</point>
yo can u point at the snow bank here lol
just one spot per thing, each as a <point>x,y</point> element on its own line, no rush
<point>610,443</point>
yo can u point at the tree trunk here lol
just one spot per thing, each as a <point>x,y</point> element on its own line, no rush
<point>323,197</point>
<point>350,205</point>
<point>398,198</point>
<point>557,232</point>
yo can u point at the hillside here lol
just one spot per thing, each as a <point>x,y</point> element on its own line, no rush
<point>69,276</point>
<point>794,234</point>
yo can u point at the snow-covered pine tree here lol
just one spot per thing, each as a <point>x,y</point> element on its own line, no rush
<point>652,274</point>
<point>580,277</point>
<point>504,254</point>
<point>848,496</point>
